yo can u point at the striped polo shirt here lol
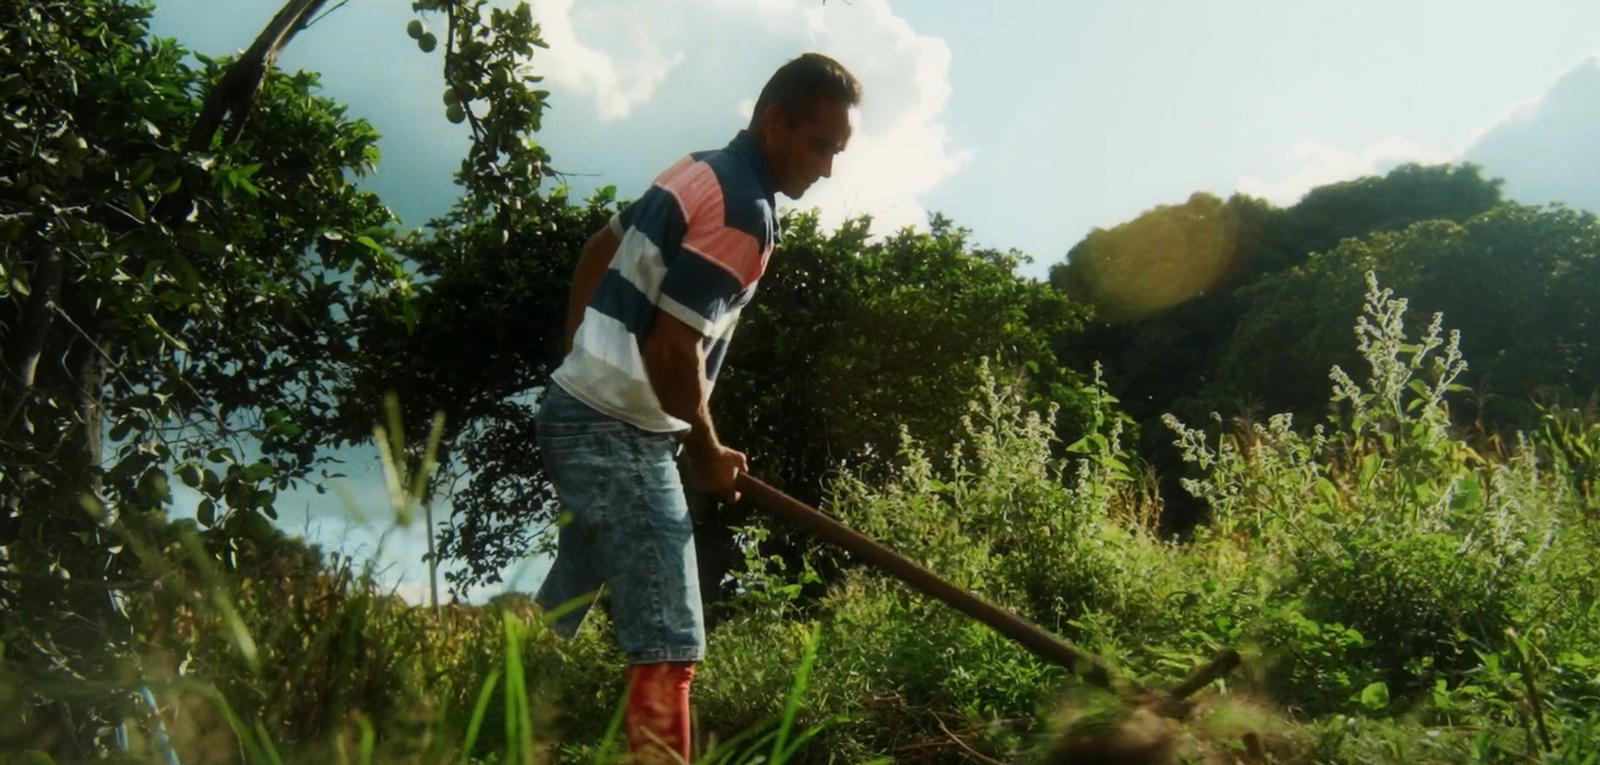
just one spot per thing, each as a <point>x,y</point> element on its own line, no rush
<point>693,246</point>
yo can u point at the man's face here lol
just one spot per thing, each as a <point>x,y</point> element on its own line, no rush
<point>801,151</point>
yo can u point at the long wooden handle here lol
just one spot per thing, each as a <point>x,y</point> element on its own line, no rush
<point>1041,643</point>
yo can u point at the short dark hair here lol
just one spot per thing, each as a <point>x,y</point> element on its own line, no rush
<point>797,84</point>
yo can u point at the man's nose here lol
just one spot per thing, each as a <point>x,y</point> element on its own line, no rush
<point>827,167</point>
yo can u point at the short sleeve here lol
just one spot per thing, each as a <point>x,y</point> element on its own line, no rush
<point>714,263</point>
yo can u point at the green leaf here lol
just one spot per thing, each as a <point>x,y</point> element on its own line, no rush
<point>372,244</point>
<point>1369,468</point>
<point>1375,696</point>
<point>201,242</point>
<point>1328,491</point>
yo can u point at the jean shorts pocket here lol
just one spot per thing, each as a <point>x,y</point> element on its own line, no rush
<point>580,467</point>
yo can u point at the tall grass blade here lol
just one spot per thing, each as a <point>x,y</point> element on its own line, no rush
<point>519,722</point>
<point>247,740</point>
<point>791,707</point>
<point>755,752</point>
<point>727,751</point>
<point>805,736</point>
<point>479,709</point>
<point>217,592</point>
<point>603,754</point>
<point>430,459</point>
<point>266,744</point>
<point>369,740</point>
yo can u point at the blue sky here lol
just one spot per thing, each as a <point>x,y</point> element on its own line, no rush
<point>1030,122</point>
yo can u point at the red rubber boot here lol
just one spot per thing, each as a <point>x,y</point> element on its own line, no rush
<point>658,712</point>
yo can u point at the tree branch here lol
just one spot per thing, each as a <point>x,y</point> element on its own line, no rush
<point>44,290</point>
<point>237,90</point>
<point>325,14</point>
<point>450,72</point>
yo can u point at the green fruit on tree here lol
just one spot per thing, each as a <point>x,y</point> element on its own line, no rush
<point>451,97</point>
<point>427,42</point>
<point>415,29</point>
<point>455,113</point>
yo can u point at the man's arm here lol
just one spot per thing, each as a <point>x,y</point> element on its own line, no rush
<point>592,265</point>
<point>674,359</point>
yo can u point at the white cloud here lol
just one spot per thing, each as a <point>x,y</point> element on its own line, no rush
<point>901,148</point>
<point>619,79</point>
<point>1319,165</point>
<point>1545,148</point>
<point>625,54</point>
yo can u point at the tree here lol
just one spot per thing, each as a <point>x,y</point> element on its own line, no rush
<point>1517,281</point>
<point>1168,290</point>
<point>853,341</point>
<point>483,332</point>
<point>160,306</point>
<point>487,335</point>
<point>1165,257</point>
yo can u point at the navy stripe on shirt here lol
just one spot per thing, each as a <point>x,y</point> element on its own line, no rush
<point>618,298</point>
<point>656,215</point>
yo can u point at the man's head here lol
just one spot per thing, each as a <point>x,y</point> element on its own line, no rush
<point>803,119</point>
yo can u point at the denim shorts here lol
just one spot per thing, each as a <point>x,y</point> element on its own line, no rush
<point>624,523</point>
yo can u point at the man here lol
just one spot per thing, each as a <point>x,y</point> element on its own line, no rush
<point>654,301</point>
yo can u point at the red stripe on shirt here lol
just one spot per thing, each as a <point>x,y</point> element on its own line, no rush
<point>699,194</point>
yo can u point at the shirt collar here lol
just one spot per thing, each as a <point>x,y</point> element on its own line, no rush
<point>745,145</point>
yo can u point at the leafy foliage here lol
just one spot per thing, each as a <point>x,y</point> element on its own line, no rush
<point>846,325</point>
<point>487,336</point>
<point>1258,338</point>
<point>161,307</point>
<point>483,331</point>
<point>1166,256</point>
<point>1509,278</point>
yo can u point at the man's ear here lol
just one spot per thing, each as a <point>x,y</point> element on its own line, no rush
<point>773,118</point>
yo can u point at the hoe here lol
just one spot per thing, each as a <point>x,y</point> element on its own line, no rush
<point>1131,746</point>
